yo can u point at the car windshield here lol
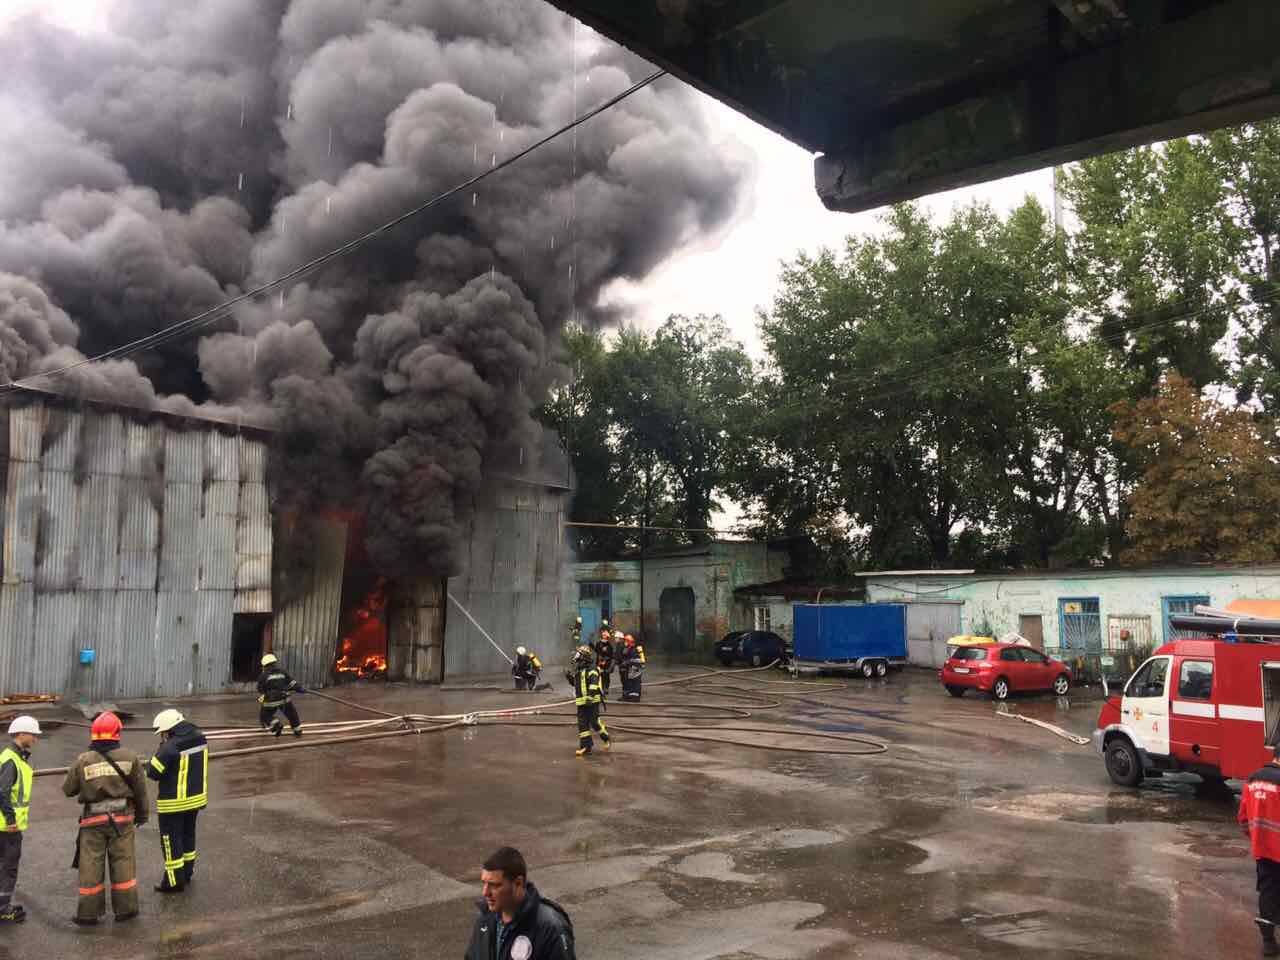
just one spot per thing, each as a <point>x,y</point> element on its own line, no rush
<point>970,653</point>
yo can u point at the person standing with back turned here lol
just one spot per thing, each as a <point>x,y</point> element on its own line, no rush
<point>1260,817</point>
<point>109,782</point>
<point>181,766</point>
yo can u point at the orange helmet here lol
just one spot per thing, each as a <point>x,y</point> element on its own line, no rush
<point>629,639</point>
<point>107,726</point>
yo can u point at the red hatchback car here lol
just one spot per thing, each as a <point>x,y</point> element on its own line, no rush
<point>1001,669</point>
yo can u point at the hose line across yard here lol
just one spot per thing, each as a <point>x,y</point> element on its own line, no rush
<point>698,720</point>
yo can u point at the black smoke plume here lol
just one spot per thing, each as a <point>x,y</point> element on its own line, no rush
<point>195,149</point>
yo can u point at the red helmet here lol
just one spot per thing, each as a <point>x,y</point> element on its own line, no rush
<point>107,726</point>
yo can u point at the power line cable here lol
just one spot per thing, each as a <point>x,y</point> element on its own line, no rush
<point>217,312</point>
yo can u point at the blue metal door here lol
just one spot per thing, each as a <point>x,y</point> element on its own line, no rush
<point>1181,604</point>
<point>589,611</point>
<point>1080,624</point>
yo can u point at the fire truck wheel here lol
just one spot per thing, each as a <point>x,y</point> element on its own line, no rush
<point>868,669</point>
<point>1061,685</point>
<point>1123,764</point>
<point>882,668</point>
<point>1000,689</point>
<point>955,691</point>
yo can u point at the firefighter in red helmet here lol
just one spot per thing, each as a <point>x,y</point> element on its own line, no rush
<point>110,785</point>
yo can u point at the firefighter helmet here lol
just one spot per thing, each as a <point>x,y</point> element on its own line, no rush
<point>629,639</point>
<point>583,653</point>
<point>106,726</point>
<point>24,724</point>
<point>521,651</point>
<point>166,720</point>
<point>269,658</point>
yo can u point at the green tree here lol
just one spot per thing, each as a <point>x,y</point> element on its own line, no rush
<point>1209,487</point>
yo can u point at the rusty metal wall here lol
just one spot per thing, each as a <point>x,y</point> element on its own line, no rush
<point>511,581</point>
<point>134,535</point>
<point>304,632</point>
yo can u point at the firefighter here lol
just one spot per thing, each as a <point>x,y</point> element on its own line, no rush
<point>15,805</point>
<point>526,669</point>
<point>631,668</point>
<point>575,634</point>
<point>1259,813</point>
<point>110,784</point>
<point>604,663</point>
<point>181,766</point>
<point>586,688</point>
<point>275,688</point>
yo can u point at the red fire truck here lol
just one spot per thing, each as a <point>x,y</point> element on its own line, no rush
<point>1208,706</point>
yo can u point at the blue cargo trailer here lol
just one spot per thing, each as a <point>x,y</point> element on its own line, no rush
<point>866,637</point>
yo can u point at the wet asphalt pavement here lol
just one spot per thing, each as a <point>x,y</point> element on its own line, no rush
<point>973,836</point>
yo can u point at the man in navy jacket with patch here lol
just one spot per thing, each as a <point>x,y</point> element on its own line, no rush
<point>516,922</point>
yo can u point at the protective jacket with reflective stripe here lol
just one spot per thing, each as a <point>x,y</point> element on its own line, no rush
<point>19,792</point>
<point>275,686</point>
<point>1260,812</point>
<point>181,766</point>
<point>587,685</point>
<point>103,791</point>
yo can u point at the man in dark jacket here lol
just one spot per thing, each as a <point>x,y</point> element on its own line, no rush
<point>1259,814</point>
<point>516,922</point>
<point>181,767</point>
<point>604,663</point>
<point>275,688</point>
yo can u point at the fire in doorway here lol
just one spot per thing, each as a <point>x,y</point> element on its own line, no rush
<point>362,652</point>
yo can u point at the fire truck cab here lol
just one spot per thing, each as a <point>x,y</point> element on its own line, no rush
<point>1208,706</point>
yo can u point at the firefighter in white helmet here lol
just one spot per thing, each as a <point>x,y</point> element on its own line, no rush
<point>15,805</point>
<point>526,669</point>
<point>181,766</point>
<point>275,688</point>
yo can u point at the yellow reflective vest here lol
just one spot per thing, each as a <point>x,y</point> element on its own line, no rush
<point>20,792</point>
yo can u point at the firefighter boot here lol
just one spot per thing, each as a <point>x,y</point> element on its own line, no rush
<point>583,752</point>
<point>13,913</point>
<point>277,726</point>
<point>1268,931</point>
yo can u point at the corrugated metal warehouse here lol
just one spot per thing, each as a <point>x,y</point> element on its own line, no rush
<point>137,562</point>
<point>131,543</point>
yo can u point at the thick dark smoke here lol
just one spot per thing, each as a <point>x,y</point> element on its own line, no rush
<point>197,149</point>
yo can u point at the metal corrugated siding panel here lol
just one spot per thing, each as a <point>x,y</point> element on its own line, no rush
<point>22,519</point>
<point>253,601</point>
<point>53,655</point>
<point>102,444</point>
<point>176,631</point>
<point>61,438</point>
<point>135,630</point>
<point>179,538</point>
<point>253,460</point>
<point>139,537</point>
<point>183,456</point>
<point>96,629</point>
<point>98,532</point>
<point>26,432</point>
<point>305,630</point>
<point>57,562</point>
<point>211,655</point>
<point>17,621</point>
<point>217,535</point>
<point>221,456</point>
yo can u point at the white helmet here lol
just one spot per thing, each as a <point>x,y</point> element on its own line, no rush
<point>24,724</point>
<point>617,634</point>
<point>166,720</point>
<point>269,659</point>
<point>521,651</point>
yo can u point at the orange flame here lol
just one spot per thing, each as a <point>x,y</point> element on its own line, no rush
<point>362,652</point>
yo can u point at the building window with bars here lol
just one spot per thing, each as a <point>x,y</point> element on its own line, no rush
<point>762,619</point>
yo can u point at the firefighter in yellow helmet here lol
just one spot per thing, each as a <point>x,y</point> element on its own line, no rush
<point>181,766</point>
<point>631,668</point>
<point>275,691</point>
<point>15,805</point>
<point>526,669</point>
<point>111,786</point>
<point>585,678</point>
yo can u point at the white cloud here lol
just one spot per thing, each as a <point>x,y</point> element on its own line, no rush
<point>79,15</point>
<point>734,273</point>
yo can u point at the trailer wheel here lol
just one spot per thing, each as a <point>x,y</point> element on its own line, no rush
<point>1061,684</point>
<point>1000,689</point>
<point>1124,767</point>
<point>882,668</point>
<point>955,691</point>
<point>756,661</point>
<point>868,669</point>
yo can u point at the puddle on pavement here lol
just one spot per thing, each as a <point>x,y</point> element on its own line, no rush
<point>712,866</point>
<point>1171,802</point>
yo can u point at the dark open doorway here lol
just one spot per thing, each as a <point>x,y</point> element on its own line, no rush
<point>248,640</point>
<point>675,615</point>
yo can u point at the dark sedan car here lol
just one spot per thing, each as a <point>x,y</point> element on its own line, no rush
<point>756,647</point>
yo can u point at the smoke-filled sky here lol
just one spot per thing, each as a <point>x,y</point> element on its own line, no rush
<point>184,151</point>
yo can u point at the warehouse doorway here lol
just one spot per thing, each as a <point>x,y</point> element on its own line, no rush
<point>675,614</point>
<point>250,633</point>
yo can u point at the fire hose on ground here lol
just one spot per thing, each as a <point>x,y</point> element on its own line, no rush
<point>352,731</point>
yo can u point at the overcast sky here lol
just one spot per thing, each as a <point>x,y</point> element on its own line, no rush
<point>736,271</point>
